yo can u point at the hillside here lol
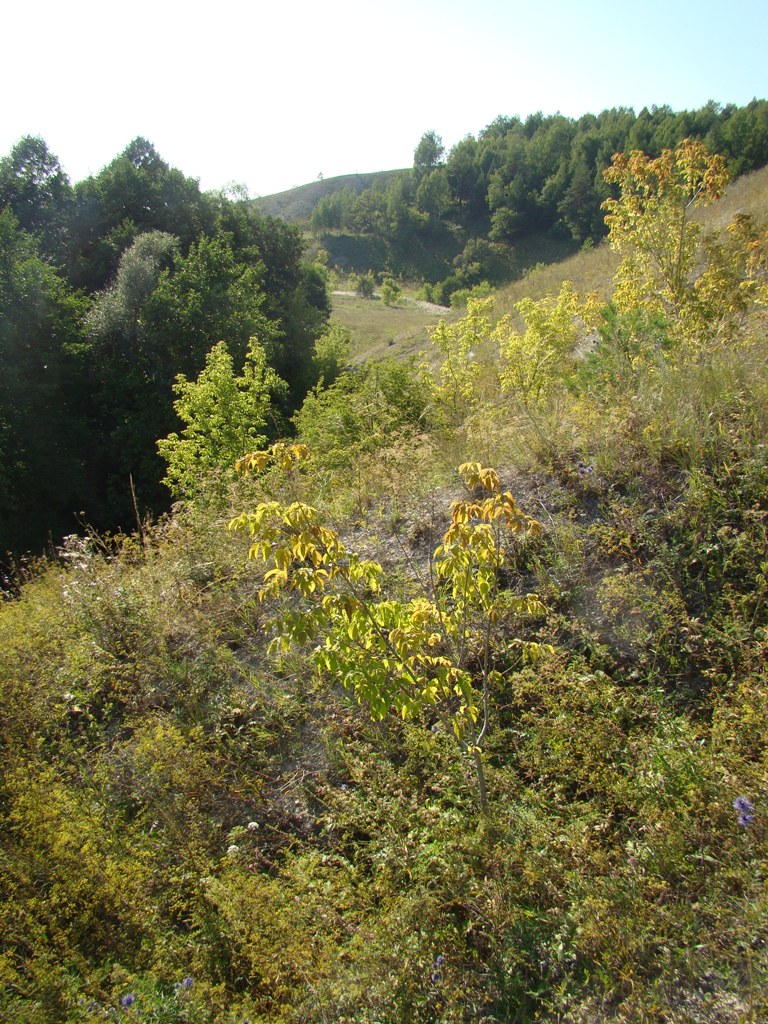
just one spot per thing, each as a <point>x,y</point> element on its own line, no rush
<point>379,330</point>
<point>296,204</point>
<point>453,707</point>
<point>521,193</point>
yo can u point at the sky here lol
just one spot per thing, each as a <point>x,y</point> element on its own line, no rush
<point>273,95</point>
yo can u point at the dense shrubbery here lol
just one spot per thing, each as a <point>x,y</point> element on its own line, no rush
<point>200,826</point>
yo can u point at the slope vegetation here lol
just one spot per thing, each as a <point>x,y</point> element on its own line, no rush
<point>354,736</point>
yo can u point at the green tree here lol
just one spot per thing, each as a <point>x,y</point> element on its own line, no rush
<point>117,317</point>
<point>212,293</point>
<point>223,414</point>
<point>433,195</point>
<point>35,188</point>
<point>363,284</point>
<point>136,193</point>
<point>143,337</point>
<point>465,175</point>
<point>427,155</point>
<point>391,291</point>
<point>331,353</point>
<point>42,387</point>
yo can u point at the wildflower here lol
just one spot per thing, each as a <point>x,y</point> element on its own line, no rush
<point>232,850</point>
<point>127,1000</point>
<point>437,975</point>
<point>185,985</point>
<point>744,806</point>
<point>253,825</point>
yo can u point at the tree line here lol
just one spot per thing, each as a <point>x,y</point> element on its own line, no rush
<point>109,289</point>
<point>455,219</point>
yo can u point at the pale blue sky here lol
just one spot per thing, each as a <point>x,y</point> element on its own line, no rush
<point>271,95</point>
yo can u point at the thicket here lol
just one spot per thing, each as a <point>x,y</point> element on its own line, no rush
<point>329,781</point>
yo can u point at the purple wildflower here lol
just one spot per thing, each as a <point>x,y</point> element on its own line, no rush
<point>127,1000</point>
<point>743,805</point>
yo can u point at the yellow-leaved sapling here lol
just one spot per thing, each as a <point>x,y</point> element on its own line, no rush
<point>438,656</point>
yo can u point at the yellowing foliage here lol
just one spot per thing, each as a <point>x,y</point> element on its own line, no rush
<point>537,359</point>
<point>651,223</point>
<point>413,656</point>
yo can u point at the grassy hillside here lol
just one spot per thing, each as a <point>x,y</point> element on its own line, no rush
<point>448,746</point>
<point>383,332</point>
<point>296,204</point>
<point>379,330</point>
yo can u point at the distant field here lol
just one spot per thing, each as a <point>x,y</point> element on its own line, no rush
<point>380,331</point>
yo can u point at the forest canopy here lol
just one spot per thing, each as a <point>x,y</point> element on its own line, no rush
<point>109,289</point>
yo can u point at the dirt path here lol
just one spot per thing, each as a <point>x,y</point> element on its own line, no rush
<point>429,307</point>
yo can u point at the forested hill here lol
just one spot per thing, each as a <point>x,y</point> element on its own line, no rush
<point>109,289</point>
<point>522,191</point>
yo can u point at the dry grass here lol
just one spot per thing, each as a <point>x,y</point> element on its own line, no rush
<point>380,331</point>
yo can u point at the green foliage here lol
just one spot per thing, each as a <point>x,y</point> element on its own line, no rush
<point>391,291</point>
<point>40,416</point>
<point>363,410</point>
<point>34,187</point>
<point>433,196</point>
<point>363,285</point>
<point>117,316</point>
<point>427,154</point>
<point>332,351</point>
<point>167,272</point>
<point>222,413</point>
<point>534,362</point>
<point>455,392</point>
<point>460,298</point>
